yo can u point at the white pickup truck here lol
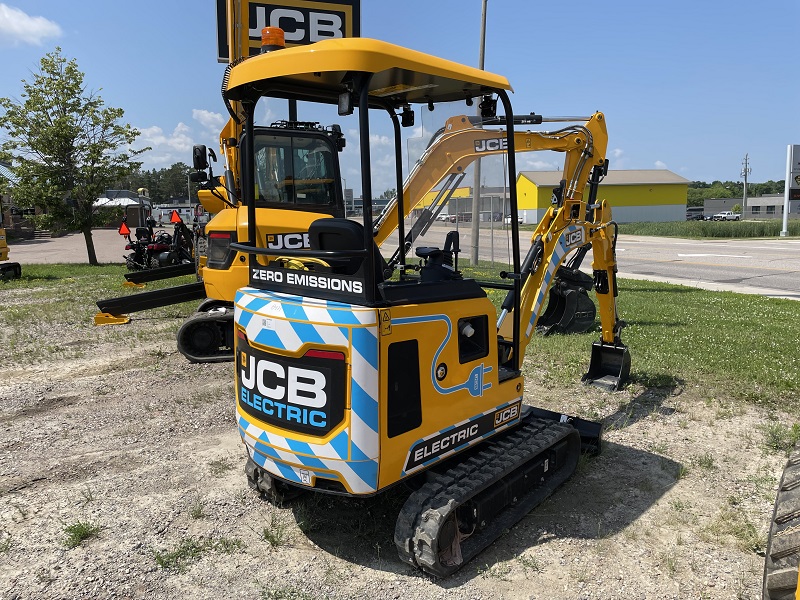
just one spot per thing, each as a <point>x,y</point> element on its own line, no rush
<point>726,216</point>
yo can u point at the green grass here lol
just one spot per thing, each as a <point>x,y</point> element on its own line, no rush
<point>80,531</point>
<point>732,524</point>
<point>191,549</point>
<point>717,340</point>
<point>276,531</point>
<point>712,229</point>
<point>285,592</point>
<point>48,297</point>
<point>780,438</point>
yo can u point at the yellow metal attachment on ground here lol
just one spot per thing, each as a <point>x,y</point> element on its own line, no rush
<point>132,284</point>
<point>103,318</point>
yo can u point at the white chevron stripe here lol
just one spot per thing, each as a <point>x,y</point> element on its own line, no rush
<point>332,335</point>
<point>363,437</point>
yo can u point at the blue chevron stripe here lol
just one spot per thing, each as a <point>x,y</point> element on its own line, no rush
<point>358,453</point>
<point>269,337</point>
<point>266,450</point>
<point>294,311</point>
<point>287,472</point>
<point>340,445</point>
<point>367,470</point>
<point>308,461</point>
<point>244,318</point>
<point>364,342</point>
<point>342,317</point>
<point>364,405</point>
<point>307,333</point>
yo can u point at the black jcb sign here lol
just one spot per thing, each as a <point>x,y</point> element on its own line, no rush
<point>303,22</point>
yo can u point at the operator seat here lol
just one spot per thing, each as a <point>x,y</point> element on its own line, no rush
<point>342,235</point>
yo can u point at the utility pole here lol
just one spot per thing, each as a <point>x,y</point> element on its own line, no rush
<point>476,185</point>
<point>746,170</point>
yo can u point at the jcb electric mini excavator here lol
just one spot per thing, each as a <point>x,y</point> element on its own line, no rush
<point>351,379</point>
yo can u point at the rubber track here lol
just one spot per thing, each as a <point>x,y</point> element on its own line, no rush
<point>224,328</point>
<point>428,508</point>
<point>783,545</point>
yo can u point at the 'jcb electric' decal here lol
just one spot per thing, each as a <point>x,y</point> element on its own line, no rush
<point>300,394</point>
<point>460,436</point>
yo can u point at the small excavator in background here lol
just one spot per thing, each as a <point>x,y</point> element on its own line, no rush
<point>8,270</point>
<point>354,373</point>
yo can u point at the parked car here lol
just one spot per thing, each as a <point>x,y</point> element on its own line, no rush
<point>727,215</point>
<point>507,220</point>
<point>442,217</point>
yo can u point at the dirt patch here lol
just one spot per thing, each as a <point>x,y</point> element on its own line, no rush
<point>138,451</point>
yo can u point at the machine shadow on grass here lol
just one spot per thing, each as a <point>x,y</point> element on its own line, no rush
<point>604,496</point>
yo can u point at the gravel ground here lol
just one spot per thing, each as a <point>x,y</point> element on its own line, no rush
<point>118,441</point>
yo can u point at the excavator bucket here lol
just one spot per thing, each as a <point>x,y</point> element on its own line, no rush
<point>609,367</point>
<point>569,307</point>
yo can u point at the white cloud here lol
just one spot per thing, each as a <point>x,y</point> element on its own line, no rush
<point>166,149</point>
<point>17,27</point>
<point>210,120</point>
<point>617,153</point>
<point>268,116</point>
<point>660,165</point>
<point>380,140</point>
<point>533,164</point>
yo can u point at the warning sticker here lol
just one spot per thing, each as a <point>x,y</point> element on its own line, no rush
<point>386,321</point>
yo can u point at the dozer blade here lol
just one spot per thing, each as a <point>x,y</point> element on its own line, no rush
<point>160,273</point>
<point>591,432</point>
<point>154,299</point>
<point>104,318</point>
<point>609,367</point>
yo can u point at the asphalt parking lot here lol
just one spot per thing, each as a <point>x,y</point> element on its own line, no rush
<point>71,248</point>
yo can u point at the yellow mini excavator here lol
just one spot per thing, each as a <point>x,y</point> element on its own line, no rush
<point>353,374</point>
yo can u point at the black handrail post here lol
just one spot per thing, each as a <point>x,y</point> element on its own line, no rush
<point>366,184</point>
<point>248,181</point>
<point>401,222</point>
<point>512,170</point>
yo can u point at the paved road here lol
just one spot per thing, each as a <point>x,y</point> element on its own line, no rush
<point>766,267</point>
<point>108,245</point>
<point>769,267</point>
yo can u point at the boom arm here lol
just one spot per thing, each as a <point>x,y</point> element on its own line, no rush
<point>572,223</point>
<point>459,143</point>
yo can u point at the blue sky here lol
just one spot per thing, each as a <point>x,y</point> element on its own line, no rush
<point>688,85</point>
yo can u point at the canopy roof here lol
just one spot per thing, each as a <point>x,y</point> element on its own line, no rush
<point>319,72</point>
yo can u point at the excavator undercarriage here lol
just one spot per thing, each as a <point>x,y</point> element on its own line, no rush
<point>464,506</point>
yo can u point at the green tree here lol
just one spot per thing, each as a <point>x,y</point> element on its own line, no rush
<point>67,146</point>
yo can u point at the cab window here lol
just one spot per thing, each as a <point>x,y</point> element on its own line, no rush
<point>294,170</point>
